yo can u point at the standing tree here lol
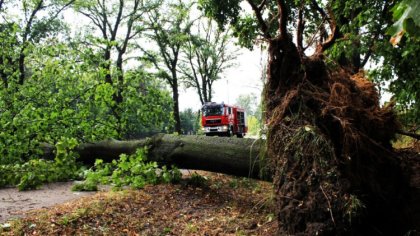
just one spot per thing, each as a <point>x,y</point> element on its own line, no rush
<point>329,140</point>
<point>253,112</point>
<point>248,102</point>
<point>189,121</point>
<point>207,55</point>
<point>25,27</point>
<point>40,20</point>
<point>169,27</point>
<point>118,22</point>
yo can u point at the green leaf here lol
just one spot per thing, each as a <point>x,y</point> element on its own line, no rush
<point>407,16</point>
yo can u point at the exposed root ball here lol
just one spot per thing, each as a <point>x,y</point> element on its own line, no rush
<point>329,142</point>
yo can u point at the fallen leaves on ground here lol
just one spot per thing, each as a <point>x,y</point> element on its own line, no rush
<point>223,206</point>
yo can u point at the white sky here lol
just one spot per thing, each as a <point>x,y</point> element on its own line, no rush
<point>244,78</point>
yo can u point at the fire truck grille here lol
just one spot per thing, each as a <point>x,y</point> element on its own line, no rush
<point>215,121</point>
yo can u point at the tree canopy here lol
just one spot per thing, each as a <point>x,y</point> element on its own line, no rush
<point>353,33</point>
<point>207,54</point>
<point>105,77</point>
<point>65,92</point>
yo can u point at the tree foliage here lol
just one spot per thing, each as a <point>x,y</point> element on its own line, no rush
<point>130,170</point>
<point>253,112</point>
<point>64,94</point>
<point>249,102</point>
<point>360,33</point>
<point>206,55</point>
<point>36,21</point>
<point>169,26</point>
<point>118,23</point>
<point>190,121</point>
<point>35,172</point>
<point>407,19</point>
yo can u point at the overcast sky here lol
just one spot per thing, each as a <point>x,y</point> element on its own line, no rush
<point>244,78</point>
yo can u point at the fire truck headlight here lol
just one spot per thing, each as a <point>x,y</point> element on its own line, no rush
<point>225,128</point>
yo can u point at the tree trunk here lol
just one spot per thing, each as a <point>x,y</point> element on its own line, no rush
<point>107,65</point>
<point>239,157</point>
<point>3,74</point>
<point>21,68</point>
<point>175,98</point>
<point>120,79</point>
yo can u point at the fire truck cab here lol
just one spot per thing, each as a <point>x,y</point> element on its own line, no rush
<point>223,120</point>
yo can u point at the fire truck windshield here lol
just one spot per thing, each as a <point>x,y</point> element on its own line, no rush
<point>213,111</point>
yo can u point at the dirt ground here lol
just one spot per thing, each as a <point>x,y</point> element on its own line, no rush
<point>14,203</point>
<point>221,205</point>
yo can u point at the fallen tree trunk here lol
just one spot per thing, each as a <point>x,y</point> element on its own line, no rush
<point>240,157</point>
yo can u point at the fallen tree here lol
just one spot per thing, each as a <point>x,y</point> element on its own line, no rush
<point>239,157</point>
<point>243,157</point>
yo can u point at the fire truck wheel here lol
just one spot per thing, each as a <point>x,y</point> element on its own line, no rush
<point>229,133</point>
<point>240,135</point>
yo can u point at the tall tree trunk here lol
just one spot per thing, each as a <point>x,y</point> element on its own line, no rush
<point>21,63</point>
<point>3,75</point>
<point>210,97</point>
<point>175,98</point>
<point>107,65</point>
<point>26,32</point>
<point>120,79</point>
<point>204,90</point>
<point>118,97</point>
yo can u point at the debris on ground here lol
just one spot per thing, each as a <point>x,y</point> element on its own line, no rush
<point>217,205</point>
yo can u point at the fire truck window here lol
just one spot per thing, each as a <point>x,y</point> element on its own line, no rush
<point>229,110</point>
<point>213,111</point>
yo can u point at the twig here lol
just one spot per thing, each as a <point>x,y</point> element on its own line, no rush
<point>329,205</point>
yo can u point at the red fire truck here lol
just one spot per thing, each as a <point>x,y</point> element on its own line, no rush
<point>223,120</point>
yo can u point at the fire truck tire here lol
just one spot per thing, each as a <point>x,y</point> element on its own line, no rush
<point>230,132</point>
<point>240,135</point>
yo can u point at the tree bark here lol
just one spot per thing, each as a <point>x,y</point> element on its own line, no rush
<point>239,157</point>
